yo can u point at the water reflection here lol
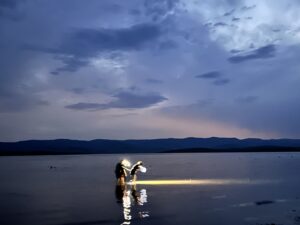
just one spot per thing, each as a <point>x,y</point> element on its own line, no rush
<point>201,182</point>
<point>132,201</point>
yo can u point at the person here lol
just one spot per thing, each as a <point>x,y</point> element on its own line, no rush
<point>135,168</point>
<point>120,171</point>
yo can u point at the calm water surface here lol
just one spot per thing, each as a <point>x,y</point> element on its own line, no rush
<point>262,188</point>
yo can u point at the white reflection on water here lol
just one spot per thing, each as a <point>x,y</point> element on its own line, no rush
<point>200,182</point>
<point>131,198</point>
<point>143,196</point>
<point>127,207</point>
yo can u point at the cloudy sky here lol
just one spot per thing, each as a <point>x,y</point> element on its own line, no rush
<point>86,69</point>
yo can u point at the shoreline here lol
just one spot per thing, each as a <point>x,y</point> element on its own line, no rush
<point>264,149</point>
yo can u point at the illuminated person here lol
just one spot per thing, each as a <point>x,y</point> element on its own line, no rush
<point>135,168</point>
<point>120,171</point>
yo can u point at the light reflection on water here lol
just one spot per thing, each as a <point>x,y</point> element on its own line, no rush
<point>201,182</point>
<point>131,198</point>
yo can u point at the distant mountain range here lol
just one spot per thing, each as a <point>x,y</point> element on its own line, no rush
<point>103,146</point>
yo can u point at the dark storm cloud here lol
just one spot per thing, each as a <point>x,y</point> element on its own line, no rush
<point>264,52</point>
<point>89,42</point>
<point>209,75</point>
<point>80,46</point>
<point>124,100</point>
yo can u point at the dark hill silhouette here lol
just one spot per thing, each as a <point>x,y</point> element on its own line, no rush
<point>103,146</point>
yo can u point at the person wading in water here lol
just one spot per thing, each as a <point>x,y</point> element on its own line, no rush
<point>120,171</point>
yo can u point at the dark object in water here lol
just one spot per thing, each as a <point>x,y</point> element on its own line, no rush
<point>264,202</point>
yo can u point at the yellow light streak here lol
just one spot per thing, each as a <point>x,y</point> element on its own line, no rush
<point>197,182</point>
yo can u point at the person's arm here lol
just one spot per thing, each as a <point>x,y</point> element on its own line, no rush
<point>127,169</point>
<point>134,169</point>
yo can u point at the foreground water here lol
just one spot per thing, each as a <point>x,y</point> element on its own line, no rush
<point>222,188</point>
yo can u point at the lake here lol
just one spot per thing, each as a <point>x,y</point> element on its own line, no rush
<point>207,188</point>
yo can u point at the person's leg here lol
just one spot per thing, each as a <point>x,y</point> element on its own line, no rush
<point>122,180</point>
<point>134,177</point>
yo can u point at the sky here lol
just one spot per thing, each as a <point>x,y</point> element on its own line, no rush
<point>140,69</point>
